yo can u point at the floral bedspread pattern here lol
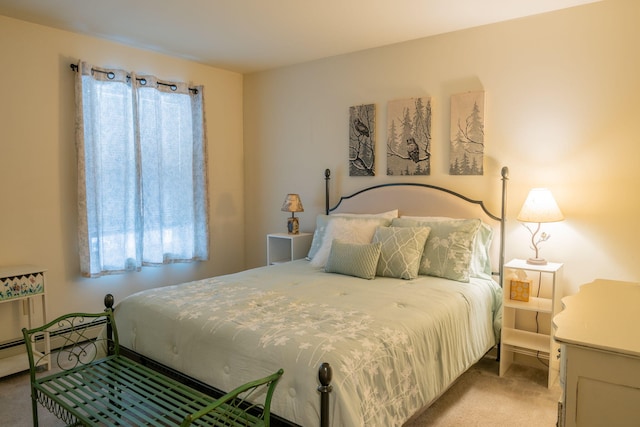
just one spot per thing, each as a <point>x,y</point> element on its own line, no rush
<point>391,355</point>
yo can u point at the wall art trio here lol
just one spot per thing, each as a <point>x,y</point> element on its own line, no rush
<point>409,136</point>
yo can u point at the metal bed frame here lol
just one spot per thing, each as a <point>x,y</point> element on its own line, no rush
<point>325,370</point>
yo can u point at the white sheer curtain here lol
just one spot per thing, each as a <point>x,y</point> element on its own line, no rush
<point>141,171</point>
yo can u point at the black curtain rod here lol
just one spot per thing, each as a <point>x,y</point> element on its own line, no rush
<point>111,75</point>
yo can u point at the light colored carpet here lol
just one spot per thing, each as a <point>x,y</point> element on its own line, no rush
<point>479,398</point>
<point>15,404</point>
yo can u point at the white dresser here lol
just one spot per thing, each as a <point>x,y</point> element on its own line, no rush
<point>599,334</point>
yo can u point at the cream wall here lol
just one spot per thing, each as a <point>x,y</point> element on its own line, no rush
<point>562,112</point>
<point>38,164</point>
<point>561,108</point>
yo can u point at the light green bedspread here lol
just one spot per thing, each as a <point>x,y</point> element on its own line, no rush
<point>394,345</point>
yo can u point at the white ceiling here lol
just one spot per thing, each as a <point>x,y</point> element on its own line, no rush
<point>254,35</point>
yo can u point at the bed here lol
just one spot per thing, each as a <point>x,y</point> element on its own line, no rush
<point>395,339</point>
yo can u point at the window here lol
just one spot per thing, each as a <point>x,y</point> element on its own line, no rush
<point>142,171</point>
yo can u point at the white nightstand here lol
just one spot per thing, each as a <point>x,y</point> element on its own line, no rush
<point>283,247</point>
<point>23,283</point>
<point>543,304</point>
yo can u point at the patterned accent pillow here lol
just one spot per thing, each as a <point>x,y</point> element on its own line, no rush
<point>323,220</point>
<point>401,251</point>
<point>348,229</point>
<point>449,247</point>
<point>353,259</point>
<point>480,265</point>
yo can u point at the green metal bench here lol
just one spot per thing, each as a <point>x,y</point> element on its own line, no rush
<point>89,383</point>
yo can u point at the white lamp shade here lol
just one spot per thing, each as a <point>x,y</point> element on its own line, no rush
<point>540,206</point>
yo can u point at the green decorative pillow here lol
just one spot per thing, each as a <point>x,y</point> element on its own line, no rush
<point>401,251</point>
<point>353,259</point>
<point>480,265</point>
<point>449,247</point>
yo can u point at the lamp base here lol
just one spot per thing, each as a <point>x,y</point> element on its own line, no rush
<point>537,261</point>
<point>293,226</point>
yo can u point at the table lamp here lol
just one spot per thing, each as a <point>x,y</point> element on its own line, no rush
<point>292,204</point>
<point>539,207</point>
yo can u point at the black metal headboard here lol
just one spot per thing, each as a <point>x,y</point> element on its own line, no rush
<point>466,205</point>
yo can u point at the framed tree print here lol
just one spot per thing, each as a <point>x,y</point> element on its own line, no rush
<point>409,136</point>
<point>362,141</point>
<point>467,134</point>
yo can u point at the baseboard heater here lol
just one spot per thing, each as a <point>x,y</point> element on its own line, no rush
<point>57,341</point>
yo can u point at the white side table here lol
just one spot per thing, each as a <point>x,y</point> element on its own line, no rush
<point>545,304</point>
<point>283,247</point>
<point>23,283</point>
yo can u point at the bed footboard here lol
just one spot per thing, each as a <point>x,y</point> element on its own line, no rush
<point>324,375</point>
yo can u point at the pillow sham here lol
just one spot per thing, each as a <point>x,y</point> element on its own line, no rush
<point>349,230</point>
<point>323,220</point>
<point>428,218</point>
<point>480,265</point>
<point>401,251</point>
<point>448,249</point>
<point>318,234</point>
<point>353,259</point>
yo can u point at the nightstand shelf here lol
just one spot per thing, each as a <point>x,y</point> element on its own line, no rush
<point>525,340</point>
<point>541,305</point>
<point>23,283</point>
<point>517,336</point>
<point>284,247</point>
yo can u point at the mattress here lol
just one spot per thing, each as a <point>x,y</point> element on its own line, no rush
<point>394,345</point>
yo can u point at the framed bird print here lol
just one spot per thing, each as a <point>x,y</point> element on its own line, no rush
<point>362,141</point>
<point>466,154</point>
<point>409,136</point>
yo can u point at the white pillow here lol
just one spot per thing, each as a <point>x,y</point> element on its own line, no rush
<point>427,218</point>
<point>323,220</point>
<point>348,229</point>
<point>318,235</point>
<point>389,214</point>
